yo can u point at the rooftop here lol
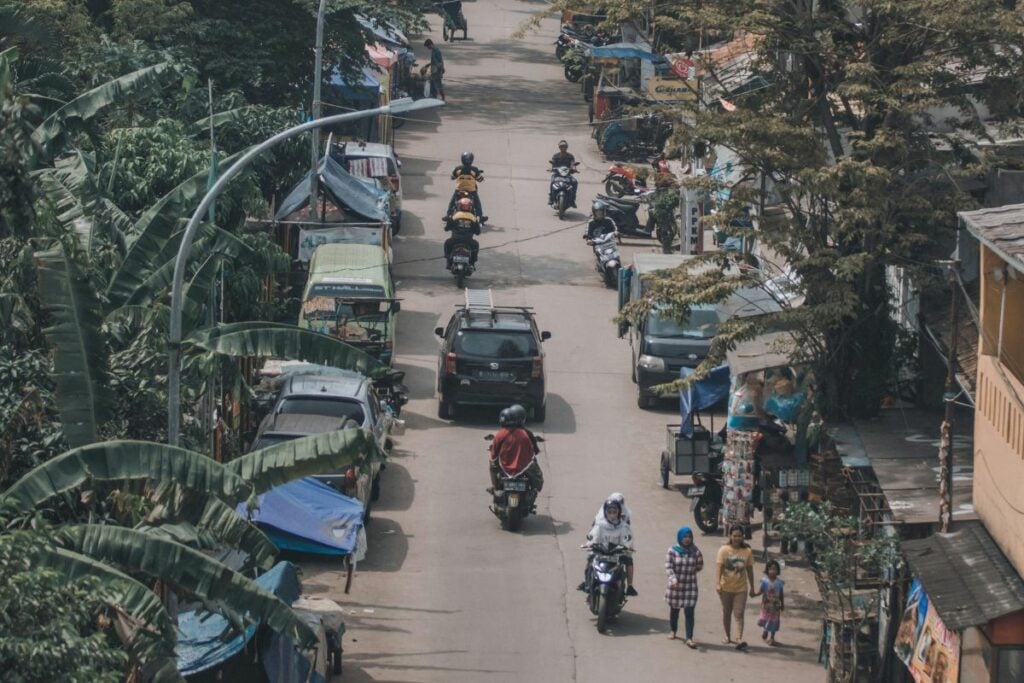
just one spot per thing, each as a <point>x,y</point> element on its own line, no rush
<point>1001,229</point>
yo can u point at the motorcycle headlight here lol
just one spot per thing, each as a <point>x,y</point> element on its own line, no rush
<point>651,363</point>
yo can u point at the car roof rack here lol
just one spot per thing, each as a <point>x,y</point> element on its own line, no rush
<point>480,306</point>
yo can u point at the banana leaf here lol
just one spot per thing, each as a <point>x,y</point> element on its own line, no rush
<point>283,462</point>
<point>79,350</point>
<point>188,569</point>
<point>221,520</point>
<point>126,460</point>
<point>279,340</point>
<point>91,102</point>
<point>153,641</point>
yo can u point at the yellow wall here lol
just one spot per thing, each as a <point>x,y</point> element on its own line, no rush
<point>999,417</point>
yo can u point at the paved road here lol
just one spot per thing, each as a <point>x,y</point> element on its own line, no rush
<point>444,594</point>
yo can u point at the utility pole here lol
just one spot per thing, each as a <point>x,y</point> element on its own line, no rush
<point>948,396</point>
<point>318,63</point>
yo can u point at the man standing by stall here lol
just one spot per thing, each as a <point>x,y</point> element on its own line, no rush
<point>436,69</point>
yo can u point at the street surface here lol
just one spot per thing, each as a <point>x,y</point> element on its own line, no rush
<point>445,594</point>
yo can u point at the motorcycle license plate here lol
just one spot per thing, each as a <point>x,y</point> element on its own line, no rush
<point>514,485</point>
<point>459,258</point>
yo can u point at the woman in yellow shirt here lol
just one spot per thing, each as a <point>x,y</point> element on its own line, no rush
<point>735,573</point>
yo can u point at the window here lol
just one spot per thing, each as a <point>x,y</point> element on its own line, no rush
<point>702,323</point>
<point>323,407</point>
<point>496,344</point>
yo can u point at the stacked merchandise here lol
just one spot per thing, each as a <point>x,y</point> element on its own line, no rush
<point>828,482</point>
<point>738,479</point>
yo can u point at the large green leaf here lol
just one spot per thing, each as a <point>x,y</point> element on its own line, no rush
<point>233,530</point>
<point>278,340</point>
<point>190,570</point>
<point>126,460</point>
<point>280,463</point>
<point>79,352</point>
<point>154,230</point>
<point>91,102</point>
<point>152,643</point>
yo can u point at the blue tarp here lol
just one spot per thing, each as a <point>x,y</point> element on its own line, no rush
<point>200,645</point>
<point>625,51</point>
<point>702,394</point>
<point>366,86</point>
<point>358,194</point>
<point>308,516</point>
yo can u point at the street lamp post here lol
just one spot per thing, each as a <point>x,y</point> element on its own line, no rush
<point>181,260</point>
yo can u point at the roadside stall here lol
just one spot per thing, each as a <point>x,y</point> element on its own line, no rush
<point>356,92</point>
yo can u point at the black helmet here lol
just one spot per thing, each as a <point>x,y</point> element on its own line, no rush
<point>598,206</point>
<point>518,414</point>
<point>505,418</point>
<point>467,158</point>
<point>562,144</point>
<point>608,504</point>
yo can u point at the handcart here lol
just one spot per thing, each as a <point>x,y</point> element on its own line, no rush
<point>454,19</point>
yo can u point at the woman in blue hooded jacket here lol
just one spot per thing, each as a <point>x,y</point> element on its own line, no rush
<point>682,564</point>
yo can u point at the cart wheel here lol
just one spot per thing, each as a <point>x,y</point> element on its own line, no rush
<point>664,469</point>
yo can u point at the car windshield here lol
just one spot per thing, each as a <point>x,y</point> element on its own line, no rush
<point>702,323</point>
<point>268,440</point>
<point>349,311</point>
<point>325,407</point>
<point>495,344</point>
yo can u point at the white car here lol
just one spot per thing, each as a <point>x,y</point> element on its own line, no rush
<point>377,161</point>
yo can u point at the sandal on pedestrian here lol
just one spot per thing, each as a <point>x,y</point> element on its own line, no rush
<point>673,637</point>
<point>742,646</point>
<point>773,643</point>
<point>726,641</point>
<point>764,635</point>
<point>690,644</point>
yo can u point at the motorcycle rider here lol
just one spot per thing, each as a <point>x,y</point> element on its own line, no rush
<point>611,529</point>
<point>461,234</point>
<point>627,516</point>
<point>513,450</point>
<point>466,177</point>
<point>600,223</point>
<point>563,158</point>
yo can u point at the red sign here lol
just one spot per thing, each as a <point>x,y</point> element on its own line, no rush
<point>684,67</point>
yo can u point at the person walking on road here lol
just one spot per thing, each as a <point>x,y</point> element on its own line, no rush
<point>682,564</point>
<point>735,563</point>
<point>436,69</point>
<point>772,602</point>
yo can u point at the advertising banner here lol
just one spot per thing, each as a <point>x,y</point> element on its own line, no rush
<point>662,89</point>
<point>923,643</point>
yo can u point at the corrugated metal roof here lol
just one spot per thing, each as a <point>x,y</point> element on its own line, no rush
<point>1000,229</point>
<point>967,577</point>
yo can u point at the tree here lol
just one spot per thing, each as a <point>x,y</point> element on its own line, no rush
<point>840,160</point>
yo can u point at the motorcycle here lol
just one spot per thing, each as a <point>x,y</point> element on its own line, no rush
<point>606,256</point>
<point>575,61</point>
<point>561,189</point>
<point>624,210</point>
<point>706,499</point>
<point>512,497</point>
<point>606,582</point>
<point>465,194</point>
<point>623,180</point>
<point>460,264</point>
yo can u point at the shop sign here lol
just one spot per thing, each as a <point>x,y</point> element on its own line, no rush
<point>671,90</point>
<point>930,651</point>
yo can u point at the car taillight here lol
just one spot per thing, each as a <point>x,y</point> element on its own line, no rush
<point>449,364</point>
<point>538,366</point>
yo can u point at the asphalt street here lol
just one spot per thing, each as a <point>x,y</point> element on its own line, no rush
<point>445,594</point>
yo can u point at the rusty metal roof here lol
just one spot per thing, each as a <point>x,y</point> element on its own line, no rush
<point>967,577</point>
<point>1001,229</point>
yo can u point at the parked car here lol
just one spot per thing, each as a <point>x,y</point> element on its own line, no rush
<point>377,161</point>
<point>491,356</point>
<point>349,295</point>
<point>314,404</point>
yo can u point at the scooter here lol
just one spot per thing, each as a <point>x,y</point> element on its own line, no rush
<point>465,194</point>
<point>606,256</point>
<point>561,189</point>
<point>624,210</point>
<point>606,582</point>
<point>622,180</point>
<point>513,497</point>
<point>706,499</point>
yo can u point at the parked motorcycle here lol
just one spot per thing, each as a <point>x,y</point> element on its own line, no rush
<point>606,257</point>
<point>622,180</point>
<point>513,496</point>
<point>575,62</point>
<point>624,211</point>
<point>561,189</point>
<point>706,499</point>
<point>606,582</point>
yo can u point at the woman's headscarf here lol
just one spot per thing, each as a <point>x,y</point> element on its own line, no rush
<point>682,533</point>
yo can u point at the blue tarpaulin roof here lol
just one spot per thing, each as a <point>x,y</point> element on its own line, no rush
<point>625,51</point>
<point>358,194</point>
<point>702,394</point>
<point>308,516</point>
<point>200,645</point>
<point>365,86</point>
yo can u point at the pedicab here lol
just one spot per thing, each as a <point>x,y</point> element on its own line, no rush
<point>454,19</point>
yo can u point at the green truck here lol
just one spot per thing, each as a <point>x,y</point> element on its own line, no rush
<point>349,295</point>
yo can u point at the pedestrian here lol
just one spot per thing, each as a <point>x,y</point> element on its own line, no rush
<point>735,564</point>
<point>772,601</point>
<point>436,69</point>
<point>682,564</point>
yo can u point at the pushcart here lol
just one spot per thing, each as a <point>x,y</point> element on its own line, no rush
<point>454,19</point>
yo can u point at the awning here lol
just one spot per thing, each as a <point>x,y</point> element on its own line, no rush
<point>702,394</point>
<point>767,351</point>
<point>382,32</point>
<point>967,577</point>
<point>381,56</point>
<point>345,189</point>
<point>624,51</point>
<point>364,86</point>
<point>200,642</point>
<point>308,516</point>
